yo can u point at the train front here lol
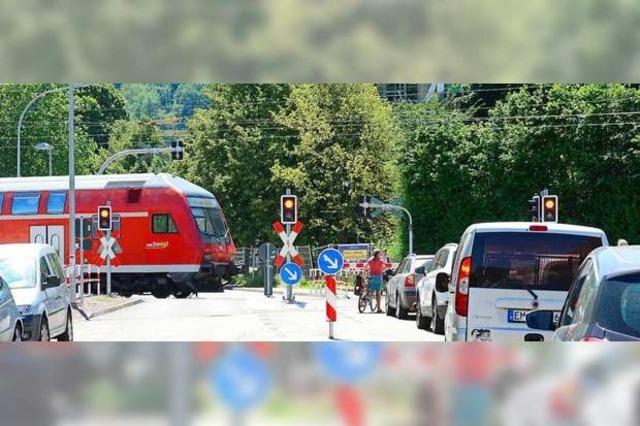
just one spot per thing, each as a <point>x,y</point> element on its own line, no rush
<point>219,250</point>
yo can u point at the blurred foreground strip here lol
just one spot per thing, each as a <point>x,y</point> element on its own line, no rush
<point>289,383</point>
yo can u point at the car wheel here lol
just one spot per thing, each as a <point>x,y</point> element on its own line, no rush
<point>44,330</point>
<point>17,333</point>
<point>389,310</point>
<point>422,322</point>
<point>401,313</point>
<point>67,336</point>
<point>437,322</point>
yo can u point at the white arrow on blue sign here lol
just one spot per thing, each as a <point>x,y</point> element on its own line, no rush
<point>330,261</point>
<point>290,273</point>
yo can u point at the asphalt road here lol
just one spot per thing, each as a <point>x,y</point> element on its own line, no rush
<point>244,315</point>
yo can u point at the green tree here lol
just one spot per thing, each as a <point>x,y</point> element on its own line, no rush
<point>143,101</point>
<point>344,147</point>
<point>230,149</point>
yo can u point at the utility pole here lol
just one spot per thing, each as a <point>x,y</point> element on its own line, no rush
<point>72,191</point>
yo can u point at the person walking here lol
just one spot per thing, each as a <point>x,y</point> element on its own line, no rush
<point>375,267</point>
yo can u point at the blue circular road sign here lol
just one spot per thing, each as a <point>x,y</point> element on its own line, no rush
<point>349,362</point>
<point>330,261</point>
<point>290,273</point>
<point>240,379</point>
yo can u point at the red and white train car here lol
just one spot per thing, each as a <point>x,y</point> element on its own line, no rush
<point>171,235</point>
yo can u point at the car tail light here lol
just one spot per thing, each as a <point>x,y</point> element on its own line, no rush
<point>410,281</point>
<point>462,287</point>
<point>591,339</point>
<point>538,228</point>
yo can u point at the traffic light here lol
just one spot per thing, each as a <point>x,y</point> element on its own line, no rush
<point>178,150</point>
<point>550,208</point>
<point>288,209</point>
<point>360,209</point>
<point>534,208</point>
<point>104,218</point>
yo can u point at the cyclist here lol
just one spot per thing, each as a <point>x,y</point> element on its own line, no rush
<point>375,266</point>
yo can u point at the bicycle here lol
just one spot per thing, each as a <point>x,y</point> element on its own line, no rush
<point>368,297</point>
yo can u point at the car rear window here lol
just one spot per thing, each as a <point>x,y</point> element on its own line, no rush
<point>618,306</point>
<point>528,260</point>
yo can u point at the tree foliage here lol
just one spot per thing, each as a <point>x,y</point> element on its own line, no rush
<point>328,143</point>
<point>580,142</point>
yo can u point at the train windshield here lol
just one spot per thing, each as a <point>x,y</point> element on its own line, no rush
<point>208,215</point>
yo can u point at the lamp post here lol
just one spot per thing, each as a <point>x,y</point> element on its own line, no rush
<point>24,111</point>
<point>43,146</point>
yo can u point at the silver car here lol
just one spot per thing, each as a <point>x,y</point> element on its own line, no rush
<point>433,290</point>
<point>10,321</point>
<point>37,281</point>
<point>401,287</point>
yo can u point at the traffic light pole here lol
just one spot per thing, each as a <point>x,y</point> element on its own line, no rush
<point>289,287</point>
<point>142,151</point>
<point>389,207</point>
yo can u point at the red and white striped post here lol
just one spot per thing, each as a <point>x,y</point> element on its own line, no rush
<point>331,302</point>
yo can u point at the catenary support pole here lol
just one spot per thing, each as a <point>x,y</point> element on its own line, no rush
<point>72,191</point>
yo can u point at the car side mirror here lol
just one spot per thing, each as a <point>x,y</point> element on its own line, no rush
<point>52,281</point>
<point>442,282</point>
<point>541,320</point>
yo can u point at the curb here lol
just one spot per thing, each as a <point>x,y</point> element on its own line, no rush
<point>125,304</point>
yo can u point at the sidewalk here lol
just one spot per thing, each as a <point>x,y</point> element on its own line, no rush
<point>93,306</point>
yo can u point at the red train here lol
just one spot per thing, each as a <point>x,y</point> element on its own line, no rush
<point>172,236</point>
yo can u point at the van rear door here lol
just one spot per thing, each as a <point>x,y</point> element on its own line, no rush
<point>515,272</point>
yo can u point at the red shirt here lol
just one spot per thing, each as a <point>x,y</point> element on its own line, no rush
<point>376,266</point>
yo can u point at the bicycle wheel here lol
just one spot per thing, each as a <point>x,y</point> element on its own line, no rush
<point>362,303</point>
<point>373,303</point>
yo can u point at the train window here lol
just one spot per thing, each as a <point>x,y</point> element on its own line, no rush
<point>164,224</point>
<point>55,205</point>
<point>25,203</point>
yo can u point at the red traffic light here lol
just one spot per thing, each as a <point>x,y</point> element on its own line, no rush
<point>104,218</point>
<point>288,209</point>
<point>550,208</point>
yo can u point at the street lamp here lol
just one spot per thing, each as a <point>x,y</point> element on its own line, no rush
<point>24,111</point>
<point>43,146</point>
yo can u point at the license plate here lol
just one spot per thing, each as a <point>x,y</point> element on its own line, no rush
<point>517,315</point>
<point>520,315</point>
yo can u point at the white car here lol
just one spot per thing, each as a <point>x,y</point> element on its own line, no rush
<point>433,290</point>
<point>503,270</point>
<point>36,278</point>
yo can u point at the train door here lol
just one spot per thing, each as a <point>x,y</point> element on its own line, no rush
<point>52,235</point>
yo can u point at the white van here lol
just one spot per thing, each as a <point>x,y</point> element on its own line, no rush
<point>505,269</point>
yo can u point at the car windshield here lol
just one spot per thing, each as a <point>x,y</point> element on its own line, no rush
<point>18,271</point>
<point>526,260</point>
<point>208,216</point>
<point>424,262</point>
<point>618,306</point>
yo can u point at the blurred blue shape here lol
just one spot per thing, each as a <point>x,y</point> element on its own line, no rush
<point>348,362</point>
<point>240,379</point>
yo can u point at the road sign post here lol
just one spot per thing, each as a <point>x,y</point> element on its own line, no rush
<point>266,253</point>
<point>330,262</point>
<point>288,216</point>
<point>105,224</point>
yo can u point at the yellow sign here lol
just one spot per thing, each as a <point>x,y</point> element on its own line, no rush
<point>355,255</point>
